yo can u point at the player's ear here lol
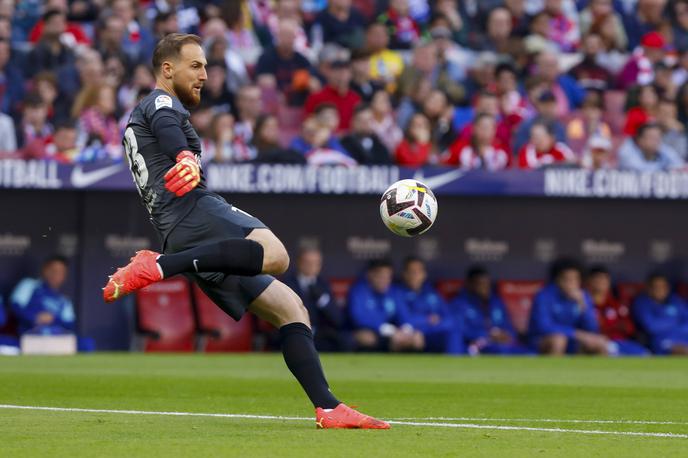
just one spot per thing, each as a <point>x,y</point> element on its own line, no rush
<point>167,69</point>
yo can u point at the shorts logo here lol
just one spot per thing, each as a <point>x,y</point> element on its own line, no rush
<point>163,101</point>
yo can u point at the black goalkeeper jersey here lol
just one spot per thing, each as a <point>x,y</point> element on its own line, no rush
<point>150,156</point>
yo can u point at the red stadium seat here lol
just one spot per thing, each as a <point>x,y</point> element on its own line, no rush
<point>682,290</point>
<point>220,333</point>
<point>165,317</point>
<point>628,291</point>
<point>448,288</point>
<point>340,289</point>
<point>518,299</point>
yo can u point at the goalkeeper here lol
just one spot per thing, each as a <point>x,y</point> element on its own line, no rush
<point>230,254</point>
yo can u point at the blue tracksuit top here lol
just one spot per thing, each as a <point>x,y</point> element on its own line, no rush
<point>554,313</point>
<point>369,309</point>
<point>31,297</point>
<point>415,307</point>
<point>477,318</point>
<point>662,322</point>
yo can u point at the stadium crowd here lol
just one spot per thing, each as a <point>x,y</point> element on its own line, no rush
<point>574,312</point>
<point>463,83</point>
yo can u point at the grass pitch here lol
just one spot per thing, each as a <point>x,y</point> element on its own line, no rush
<point>535,396</point>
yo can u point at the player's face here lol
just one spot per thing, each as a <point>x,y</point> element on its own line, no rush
<point>415,275</point>
<point>380,279</point>
<point>600,283</point>
<point>570,282</point>
<point>658,289</point>
<point>310,264</point>
<point>189,74</point>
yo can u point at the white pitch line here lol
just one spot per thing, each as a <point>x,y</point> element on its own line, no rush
<point>546,420</point>
<point>404,423</point>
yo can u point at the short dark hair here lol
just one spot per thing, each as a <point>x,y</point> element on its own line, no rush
<point>645,127</point>
<point>55,258</point>
<point>410,259</point>
<point>563,264</point>
<point>51,13</point>
<point>475,271</point>
<point>325,106</point>
<point>656,274</point>
<point>378,263</point>
<point>598,269</point>
<point>170,46</point>
<point>505,67</point>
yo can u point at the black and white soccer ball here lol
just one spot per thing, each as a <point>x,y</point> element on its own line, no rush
<point>408,208</point>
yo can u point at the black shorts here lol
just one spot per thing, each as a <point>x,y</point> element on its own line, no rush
<point>213,220</point>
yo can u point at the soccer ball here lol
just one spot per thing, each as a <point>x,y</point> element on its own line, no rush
<point>408,208</point>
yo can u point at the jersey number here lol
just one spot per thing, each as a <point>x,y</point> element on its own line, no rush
<point>137,164</point>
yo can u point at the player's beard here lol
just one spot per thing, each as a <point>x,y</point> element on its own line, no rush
<point>186,95</point>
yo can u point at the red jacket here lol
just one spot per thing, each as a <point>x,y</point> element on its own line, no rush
<point>635,118</point>
<point>412,154</point>
<point>530,158</point>
<point>345,104</point>
<point>615,319</point>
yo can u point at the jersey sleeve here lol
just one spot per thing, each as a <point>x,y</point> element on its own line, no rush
<point>165,118</point>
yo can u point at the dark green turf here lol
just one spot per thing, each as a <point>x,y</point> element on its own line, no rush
<point>386,386</point>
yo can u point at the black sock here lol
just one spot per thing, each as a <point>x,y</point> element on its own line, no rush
<point>235,256</point>
<point>303,361</point>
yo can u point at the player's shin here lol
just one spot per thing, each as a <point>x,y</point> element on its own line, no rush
<point>234,256</point>
<point>303,361</point>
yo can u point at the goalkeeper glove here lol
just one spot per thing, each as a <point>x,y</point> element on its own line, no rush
<point>184,176</point>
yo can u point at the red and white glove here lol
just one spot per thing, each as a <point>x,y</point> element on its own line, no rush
<point>185,175</point>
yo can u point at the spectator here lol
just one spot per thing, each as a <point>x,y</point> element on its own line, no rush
<point>385,65</point>
<point>567,92</point>
<point>290,10</point>
<point>482,151</point>
<point>383,122</point>
<point>512,105</point>
<point>374,309</point>
<point>11,82</point>
<point>40,307</point>
<point>441,115</point>
<point>674,134</point>
<point>88,71</point>
<point>138,41</point>
<point>94,107</point>
<point>249,106</point>
<point>336,92</point>
<point>498,31</point>
<point>643,110</point>
<point>128,94</point>
<point>319,146</point>
<point>222,145</point>
<point>111,37</point>
<point>63,147</point>
<point>563,319</point>
<point>214,93</point>
<point>164,23</point>
<point>402,28</point>
<point>645,18</point>
<point>520,18</point>
<point>340,23</point>
<point>240,34</point>
<point>217,48</point>
<point>327,318</point>
<point>614,318</point>
<point>36,130</point>
<point>562,30</point>
<point>598,12</point>
<point>452,62</point>
<point>362,143</point>
<point>589,73</point>
<point>50,52</point>
<point>486,102</point>
<point>361,82</point>
<point>597,154</point>
<point>454,13</point>
<point>680,25</point>
<point>267,146</point>
<point>282,68</point>
<point>423,67</point>
<point>416,150</point>
<point>422,308</point>
<point>74,33</point>
<point>186,14</point>
<point>639,68</point>
<point>645,152</point>
<point>587,123</point>
<point>486,324</point>
<point>546,112</point>
<point>8,136</point>
<point>662,316</point>
<point>543,149</point>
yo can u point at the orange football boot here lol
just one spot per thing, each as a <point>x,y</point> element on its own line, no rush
<point>139,273</point>
<point>344,416</point>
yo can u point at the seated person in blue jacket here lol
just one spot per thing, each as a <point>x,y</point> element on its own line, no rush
<point>41,308</point>
<point>662,316</point>
<point>327,318</point>
<point>421,307</point>
<point>487,327</point>
<point>563,319</point>
<point>374,313</point>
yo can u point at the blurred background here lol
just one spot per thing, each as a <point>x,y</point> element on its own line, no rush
<point>546,128</point>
